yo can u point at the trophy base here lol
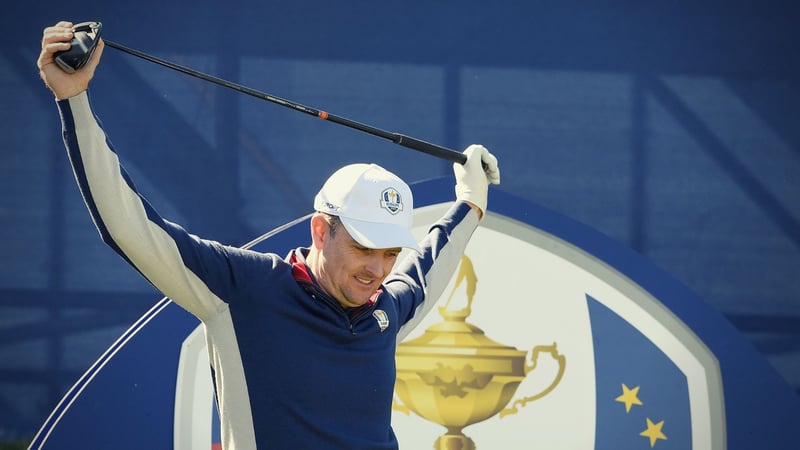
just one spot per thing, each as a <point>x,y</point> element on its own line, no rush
<point>454,442</point>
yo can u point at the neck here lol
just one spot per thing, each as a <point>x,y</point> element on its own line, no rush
<point>313,262</point>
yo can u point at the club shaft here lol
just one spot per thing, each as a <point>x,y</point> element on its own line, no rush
<point>400,139</point>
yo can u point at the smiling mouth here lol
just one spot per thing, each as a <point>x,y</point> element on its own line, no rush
<point>364,281</point>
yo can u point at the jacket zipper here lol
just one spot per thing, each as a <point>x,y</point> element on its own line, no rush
<point>330,301</point>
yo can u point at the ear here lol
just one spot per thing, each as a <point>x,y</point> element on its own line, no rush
<point>319,231</point>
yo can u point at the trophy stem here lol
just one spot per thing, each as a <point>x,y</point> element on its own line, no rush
<point>454,439</point>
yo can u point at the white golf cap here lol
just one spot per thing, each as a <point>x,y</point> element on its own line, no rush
<point>375,206</point>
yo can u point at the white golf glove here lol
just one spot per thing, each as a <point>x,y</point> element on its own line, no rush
<point>472,181</point>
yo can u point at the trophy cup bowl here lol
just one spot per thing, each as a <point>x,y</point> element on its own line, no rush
<point>454,375</point>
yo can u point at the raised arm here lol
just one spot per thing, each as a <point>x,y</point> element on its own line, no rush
<point>189,270</point>
<point>421,278</point>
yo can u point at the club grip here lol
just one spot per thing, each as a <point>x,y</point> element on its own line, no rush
<point>431,149</point>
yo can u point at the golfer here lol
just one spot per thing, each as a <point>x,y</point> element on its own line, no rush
<point>302,347</point>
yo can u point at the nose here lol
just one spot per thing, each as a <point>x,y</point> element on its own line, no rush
<point>374,265</point>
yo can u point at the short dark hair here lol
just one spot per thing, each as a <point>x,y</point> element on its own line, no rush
<point>333,222</point>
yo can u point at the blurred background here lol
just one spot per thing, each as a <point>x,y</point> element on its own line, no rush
<point>672,127</point>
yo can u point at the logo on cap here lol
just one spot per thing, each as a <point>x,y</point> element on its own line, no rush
<point>330,207</point>
<point>391,200</point>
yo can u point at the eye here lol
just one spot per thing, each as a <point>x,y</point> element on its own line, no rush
<point>361,249</point>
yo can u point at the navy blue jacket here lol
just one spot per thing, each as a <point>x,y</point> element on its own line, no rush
<point>292,369</point>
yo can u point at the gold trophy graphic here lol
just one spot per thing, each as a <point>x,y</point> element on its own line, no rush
<point>455,376</point>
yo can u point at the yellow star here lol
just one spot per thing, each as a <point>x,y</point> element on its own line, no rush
<point>653,432</point>
<point>629,397</point>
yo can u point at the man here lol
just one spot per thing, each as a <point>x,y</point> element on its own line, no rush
<point>302,347</point>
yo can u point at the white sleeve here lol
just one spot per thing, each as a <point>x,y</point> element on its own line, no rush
<point>421,278</point>
<point>126,222</point>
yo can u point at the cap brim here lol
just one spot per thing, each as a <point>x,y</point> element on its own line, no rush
<point>380,235</point>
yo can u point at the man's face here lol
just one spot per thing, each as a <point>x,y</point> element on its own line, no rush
<point>350,272</point>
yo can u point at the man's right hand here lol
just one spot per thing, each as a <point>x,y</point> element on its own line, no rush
<point>63,84</point>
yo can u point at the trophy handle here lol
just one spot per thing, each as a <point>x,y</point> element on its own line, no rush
<point>562,363</point>
<point>397,405</point>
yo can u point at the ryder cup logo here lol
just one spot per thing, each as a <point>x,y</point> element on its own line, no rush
<point>584,346</point>
<point>382,318</point>
<point>391,200</point>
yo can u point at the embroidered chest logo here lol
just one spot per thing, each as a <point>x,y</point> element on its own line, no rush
<point>382,318</point>
<point>391,201</point>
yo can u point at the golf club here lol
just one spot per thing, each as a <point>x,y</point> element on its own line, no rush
<point>87,35</point>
